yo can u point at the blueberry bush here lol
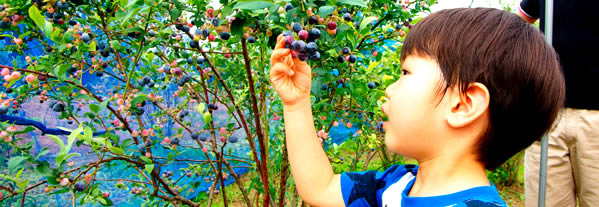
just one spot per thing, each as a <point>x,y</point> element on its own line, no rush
<point>183,101</point>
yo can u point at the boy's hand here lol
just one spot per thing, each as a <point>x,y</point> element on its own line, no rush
<point>290,76</point>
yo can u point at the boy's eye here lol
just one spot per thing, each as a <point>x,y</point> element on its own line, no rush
<point>404,72</point>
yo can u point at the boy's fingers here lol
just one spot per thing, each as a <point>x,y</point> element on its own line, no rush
<point>279,71</point>
<point>277,54</point>
<point>301,66</point>
<point>280,42</point>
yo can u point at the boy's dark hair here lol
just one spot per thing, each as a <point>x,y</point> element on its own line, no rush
<point>506,54</point>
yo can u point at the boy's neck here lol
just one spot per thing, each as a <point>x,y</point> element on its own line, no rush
<point>447,174</point>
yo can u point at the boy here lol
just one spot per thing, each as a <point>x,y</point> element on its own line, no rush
<point>477,86</point>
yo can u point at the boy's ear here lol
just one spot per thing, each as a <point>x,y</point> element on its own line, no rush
<point>469,106</point>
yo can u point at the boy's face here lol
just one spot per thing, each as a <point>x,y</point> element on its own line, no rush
<point>415,119</point>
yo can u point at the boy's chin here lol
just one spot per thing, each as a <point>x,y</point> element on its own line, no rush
<point>392,143</point>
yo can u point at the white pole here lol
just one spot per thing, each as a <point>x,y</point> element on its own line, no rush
<point>544,139</point>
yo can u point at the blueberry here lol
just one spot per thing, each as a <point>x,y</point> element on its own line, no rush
<point>302,56</point>
<point>105,53</point>
<point>205,32</point>
<point>146,80</point>
<point>297,27</point>
<point>347,17</point>
<point>288,7</point>
<point>340,59</point>
<point>314,56</point>
<point>299,45</point>
<point>151,33</point>
<point>379,127</point>
<point>398,26</point>
<point>204,138</point>
<point>3,109</point>
<point>311,47</point>
<point>179,26</point>
<point>251,39</point>
<point>287,33</point>
<point>215,21</point>
<point>79,186</point>
<point>233,139</point>
<point>314,34</point>
<point>69,122</point>
<point>99,73</point>
<point>185,79</point>
<point>352,59</point>
<point>345,10</point>
<point>62,5</point>
<point>8,90</point>
<point>175,141</point>
<point>194,44</point>
<point>313,20</point>
<point>141,148</point>
<point>148,143</point>
<point>194,136</point>
<point>190,60</point>
<point>141,83</point>
<point>324,87</point>
<point>225,35</point>
<point>345,50</point>
<point>58,107</point>
<point>72,22</point>
<point>185,28</point>
<point>200,60</point>
<point>85,37</point>
<point>371,85</point>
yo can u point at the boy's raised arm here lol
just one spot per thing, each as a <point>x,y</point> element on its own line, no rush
<point>312,172</point>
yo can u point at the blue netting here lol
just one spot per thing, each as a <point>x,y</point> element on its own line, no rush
<point>41,116</point>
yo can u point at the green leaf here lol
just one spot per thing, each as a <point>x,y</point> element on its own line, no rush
<point>103,105</point>
<point>252,5</point>
<point>115,44</point>
<point>45,26</point>
<point>83,96</point>
<point>207,117</point>
<point>138,99</point>
<point>94,108</point>
<point>237,26</point>
<point>149,168</point>
<point>325,11</point>
<point>87,135</point>
<point>365,22</point>
<point>22,184</point>
<point>57,140</point>
<point>354,2</point>
<point>61,191</point>
<point>117,150</point>
<point>91,46</point>
<point>61,71</point>
<point>43,169</point>
<point>146,159</point>
<point>14,162</point>
<point>104,201</point>
<point>200,107</point>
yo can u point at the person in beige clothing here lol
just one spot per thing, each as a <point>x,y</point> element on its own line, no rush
<point>573,152</point>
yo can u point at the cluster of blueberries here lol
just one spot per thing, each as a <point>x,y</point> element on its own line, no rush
<point>305,47</point>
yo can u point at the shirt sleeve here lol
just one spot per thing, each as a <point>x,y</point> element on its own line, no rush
<point>530,8</point>
<point>365,188</point>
